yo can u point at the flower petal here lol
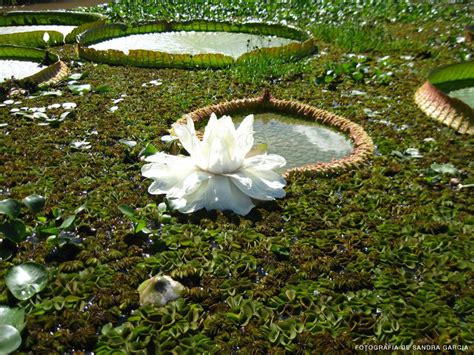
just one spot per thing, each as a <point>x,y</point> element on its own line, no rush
<point>259,184</point>
<point>218,193</point>
<point>194,180</point>
<point>168,172</point>
<point>244,137</point>
<point>264,162</point>
<point>187,136</point>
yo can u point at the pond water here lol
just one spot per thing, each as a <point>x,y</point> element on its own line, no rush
<point>465,94</point>
<point>65,30</point>
<point>18,68</point>
<point>299,142</point>
<point>191,42</point>
<point>54,5</point>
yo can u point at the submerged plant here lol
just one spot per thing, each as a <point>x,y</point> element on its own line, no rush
<point>222,172</point>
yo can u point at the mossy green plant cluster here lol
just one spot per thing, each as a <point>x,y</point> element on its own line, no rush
<point>379,255</point>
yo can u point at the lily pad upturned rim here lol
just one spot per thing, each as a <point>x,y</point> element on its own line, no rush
<point>55,72</point>
<point>439,105</point>
<point>83,20</point>
<point>156,59</point>
<point>363,145</point>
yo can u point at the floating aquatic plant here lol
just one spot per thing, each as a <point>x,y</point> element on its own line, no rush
<point>15,59</point>
<point>192,44</point>
<point>448,96</point>
<point>27,28</point>
<point>26,280</point>
<point>12,322</point>
<point>362,143</point>
<point>221,172</point>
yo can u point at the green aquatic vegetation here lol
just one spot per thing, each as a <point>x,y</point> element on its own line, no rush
<point>323,12</point>
<point>156,213</point>
<point>14,228</point>
<point>378,255</point>
<point>358,69</point>
<point>42,29</point>
<point>260,69</point>
<point>79,89</point>
<point>192,44</point>
<point>12,322</point>
<point>25,280</point>
<point>357,37</point>
<point>42,67</point>
<point>447,96</point>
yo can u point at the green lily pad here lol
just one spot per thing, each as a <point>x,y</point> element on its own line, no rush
<point>14,230</point>
<point>449,169</point>
<point>10,339</point>
<point>26,280</point>
<point>34,202</point>
<point>80,89</point>
<point>12,316</point>
<point>10,207</point>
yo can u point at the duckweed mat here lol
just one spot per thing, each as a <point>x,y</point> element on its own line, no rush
<point>378,257</point>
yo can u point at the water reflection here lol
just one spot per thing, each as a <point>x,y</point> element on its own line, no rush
<point>299,142</point>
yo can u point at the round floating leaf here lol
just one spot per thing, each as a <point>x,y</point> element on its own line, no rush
<point>26,279</point>
<point>5,252</point>
<point>448,169</point>
<point>14,230</point>
<point>10,339</point>
<point>34,202</point>
<point>10,207</point>
<point>80,89</point>
<point>12,316</point>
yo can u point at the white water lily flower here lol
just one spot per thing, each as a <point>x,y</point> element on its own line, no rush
<point>220,173</point>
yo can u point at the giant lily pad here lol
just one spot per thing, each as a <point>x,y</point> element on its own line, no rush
<point>27,28</point>
<point>191,44</point>
<point>30,65</point>
<point>448,96</point>
<point>313,141</point>
<point>299,141</point>
<point>26,280</point>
